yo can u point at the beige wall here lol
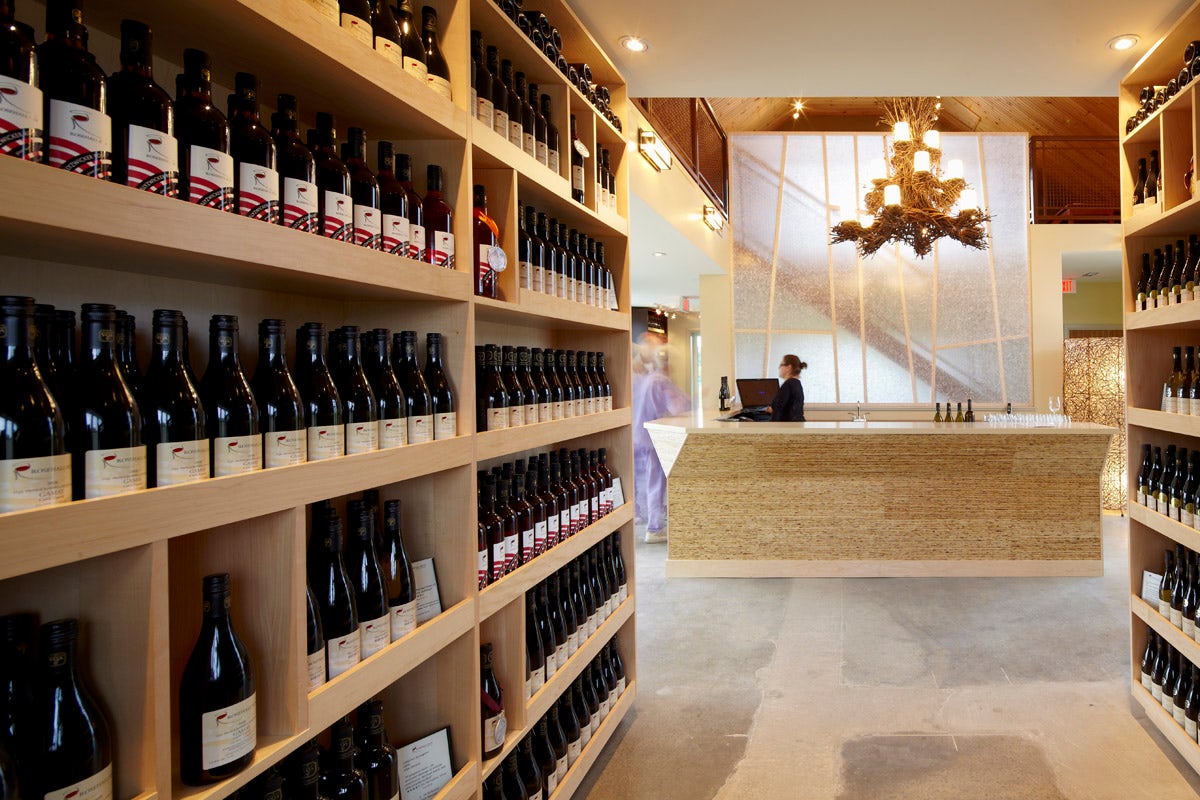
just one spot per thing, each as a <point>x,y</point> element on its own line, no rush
<point>1094,306</point>
<point>716,335</point>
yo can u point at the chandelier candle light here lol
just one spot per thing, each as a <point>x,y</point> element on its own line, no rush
<point>915,202</point>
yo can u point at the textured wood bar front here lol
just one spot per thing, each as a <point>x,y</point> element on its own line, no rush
<point>880,498</point>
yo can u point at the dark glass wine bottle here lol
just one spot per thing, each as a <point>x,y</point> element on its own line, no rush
<point>232,414</point>
<point>217,714</point>
<point>512,529</point>
<point>74,101</point>
<point>335,597</point>
<point>376,756</point>
<point>377,366</point>
<point>316,641</point>
<point>572,729</point>
<point>513,787</point>
<point>439,221</point>
<point>493,525</point>
<point>393,202</point>
<point>397,574</point>
<point>445,418</point>
<point>412,382</point>
<point>1191,706</point>
<point>364,188</point>
<point>558,623</point>
<point>336,206</point>
<point>618,666</point>
<point>387,37</point>
<point>362,565</point>
<point>22,115</point>
<point>438,75</point>
<point>552,148</point>
<point>516,126</point>
<point>298,191</point>
<point>587,690</point>
<point>323,414</point>
<point>360,408</point>
<point>303,770</point>
<point>512,385</point>
<point>176,432</point>
<point>495,726</point>
<point>341,778</point>
<point>411,43</point>
<point>618,562</point>
<point>18,715</point>
<point>255,179</point>
<point>525,519</point>
<point>577,166</point>
<point>355,17</point>
<point>280,410</point>
<point>528,115</point>
<point>202,131</point>
<point>416,210</point>
<point>145,154</point>
<point>73,735</point>
<point>535,652</point>
<point>483,109</point>
<point>493,399</point>
<point>559,744</point>
<point>528,769</point>
<point>583,713</point>
<point>126,351</point>
<point>541,387</point>
<point>541,153</point>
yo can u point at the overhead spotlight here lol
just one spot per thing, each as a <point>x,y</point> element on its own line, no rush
<point>1122,42</point>
<point>634,44</point>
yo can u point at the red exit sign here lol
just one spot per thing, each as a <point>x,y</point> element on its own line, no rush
<point>1068,286</point>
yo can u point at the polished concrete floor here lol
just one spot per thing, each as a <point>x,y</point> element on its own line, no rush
<point>886,689</point>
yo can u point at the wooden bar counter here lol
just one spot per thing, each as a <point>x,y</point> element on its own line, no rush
<point>876,499</point>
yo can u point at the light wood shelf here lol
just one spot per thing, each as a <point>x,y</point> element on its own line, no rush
<point>1182,424</point>
<point>1166,724</point>
<point>515,584</point>
<point>271,750</point>
<point>1182,315</point>
<point>1149,615</point>
<point>538,310</point>
<point>1177,531</point>
<point>463,785</point>
<point>497,444</point>
<point>587,759</point>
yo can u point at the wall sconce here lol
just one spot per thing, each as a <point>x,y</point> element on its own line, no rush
<point>713,219</point>
<point>653,150</point>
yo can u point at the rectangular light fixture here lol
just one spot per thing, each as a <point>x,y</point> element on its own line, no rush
<point>653,150</point>
<point>713,219</point>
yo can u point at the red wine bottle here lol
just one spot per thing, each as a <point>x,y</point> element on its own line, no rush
<point>416,209</point>
<point>534,498</point>
<point>176,432</point>
<point>490,258</point>
<point>528,770</point>
<point>605,386</point>
<point>333,181</point>
<point>439,221</point>
<point>73,734</point>
<point>549,501</point>
<point>35,465</point>
<point>583,714</point>
<point>393,202</point>
<point>493,399</point>
<point>540,128</point>
<point>74,109</point>
<point>21,114</point>
<point>217,714</point>
<point>552,148</point>
<point>618,666</point>
<point>484,109</point>
<point>316,641</point>
<point>335,597</point>
<point>412,382</point>
<point>495,726</point>
<point>342,780</point>
<point>535,652</point>
<point>559,623</point>
<point>386,32</point>
<point>255,180</point>
<point>376,756</point>
<point>564,493</point>
<point>355,16</point>
<point>304,772</point>
<point>493,525</point>
<point>576,627</point>
<point>445,418</point>
<point>43,336</point>
<point>145,153</point>
<point>362,565</point>
<point>438,75</point>
<point>512,526</point>
<point>377,366</point>
<point>528,115</point>
<point>18,713</point>
<point>572,729</point>
<point>299,206</point>
<point>577,170</point>
<point>126,329</point>
<point>541,388</point>
<point>229,404</point>
<point>397,574</point>
<point>205,166</point>
<point>323,414</point>
<point>543,751</point>
<point>605,474</point>
<point>516,398</point>
<point>104,428</point>
<point>280,410</point>
<point>559,743</point>
<point>364,188</point>
<point>360,409</point>
<point>411,43</point>
<point>525,519</point>
<point>499,93</point>
<point>530,253</point>
<point>516,126</point>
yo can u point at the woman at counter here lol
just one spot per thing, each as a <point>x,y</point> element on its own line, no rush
<point>788,405</point>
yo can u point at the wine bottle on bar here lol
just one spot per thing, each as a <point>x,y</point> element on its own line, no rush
<point>232,414</point>
<point>74,111</point>
<point>362,565</point>
<point>217,713</point>
<point>205,166</point>
<point>22,114</point>
<point>256,181</point>
<point>145,154</point>
<point>495,726</point>
<point>376,756</point>
<point>360,407</point>
<point>299,195</point>
<point>73,735</point>
<point>377,366</point>
<point>175,432</point>
<point>280,410</point>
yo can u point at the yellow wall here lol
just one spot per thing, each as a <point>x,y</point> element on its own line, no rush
<point>1094,306</point>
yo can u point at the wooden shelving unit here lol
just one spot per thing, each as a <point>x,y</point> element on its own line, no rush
<point>130,566</point>
<point>1149,336</point>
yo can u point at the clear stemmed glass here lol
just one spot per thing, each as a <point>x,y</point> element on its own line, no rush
<point>1055,404</point>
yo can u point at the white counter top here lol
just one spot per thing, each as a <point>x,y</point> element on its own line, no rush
<point>692,423</point>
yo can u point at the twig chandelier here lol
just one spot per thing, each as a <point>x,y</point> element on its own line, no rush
<point>915,202</point>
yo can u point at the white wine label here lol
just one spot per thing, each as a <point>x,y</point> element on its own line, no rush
<point>542,154</point>
<point>316,670</point>
<point>562,765</point>
<point>337,221</point>
<point>593,622</point>
<point>1170,405</point>
<point>368,227</point>
<point>568,409</point>
<point>21,131</point>
<point>35,482</point>
<point>623,595</point>
<point>404,617</point>
<point>329,8</point>
<point>579,406</point>
<point>389,50</point>
<point>577,178</point>
<point>536,795</point>
<point>1189,725</point>
<point>551,662</point>
<point>1141,497</point>
<point>210,178</point>
<point>585,735</point>
<point>552,160</point>
<point>151,160</point>
<point>416,242</point>
<point>516,416</point>
<point>530,414</point>
<point>342,653</point>
<point>526,272</point>
<point>497,419</point>
<point>544,412</point>
<point>361,437</point>
<point>300,205</point>
<point>443,250</point>
<point>500,123</point>
<point>285,448</point>
<point>572,289</point>
<point>394,235</point>
<point>1165,701</point>
<point>539,279</point>
<point>228,733</point>
<point>236,455</point>
<point>439,85</point>
<point>573,750</point>
<point>1175,509</point>
<point>393,433</point>
<point>539,536</point>
<point>420,429</point>
<point>608,403</point>
<point>557,410</point>
<point>1164,608</point>
<point>482,568</point>
<point>109,472</point>
<point>180,462</point>
<point>494,730</point>
<point>326,441</point>
<point>572,643</point>
<point>595,723</point>
<point>416,68</point>
<point>528,542</point>
<point>445,426</point>
<point>605,707</point>
<point>374,635</point>
<point>360,29</point>
<point>620,686</point>
<point>560,286</point>
<point>1176,618</point>
<point>537,679</point>
<point>80,140</point>
<point>499,560</point>
<point>1189,627</point>
<point>258,193</point>
<point>485,112</point>
<point>97,787</point>
<point>512,546</point>
<point>515,132</point>
<point>551,530</point>
<point>529,144</point>
<point>1187,517</point>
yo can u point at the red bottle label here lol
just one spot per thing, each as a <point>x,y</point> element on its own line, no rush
<point>80,140</point>
<point>300,205</point>
<point>258,193</point>
<point>20,120</point>
<point>210,178</point>
<point>152,161</point>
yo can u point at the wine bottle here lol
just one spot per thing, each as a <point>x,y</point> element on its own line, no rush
<point>42,344</point>
<point>316,642</point>
<point>606,478</point>
<point>362,565</point>
<point>580,389</point>
<point>1139,183</point>
<point>341,779</point>
<point>22,114</point>
<point>73,738</point>
<point>618,666</point>
<point>1191,486</point>
<point>355,17</point>
<point>323,413</point>
<point>145,153</point>
<point>377,366</point>
<point>543,754</point>
<point>1161,660</point>
<point>1155,471</point>
<point>397,574</point>
<point>411,43</point>
<point>256,183</point>
<point>535,653</point>
<point>1177,483</point>
<point>509,511</point>
<point>232,414</point>
<point>360,408</point>
<point>1176,279</point>
<point>552,611</point>
<point>500,92</point>
<point>525,519</point>
<point>572,727</point>
<point>202,131</point>
<point>529,253</point>
<point>537,606</point>
<point>393,201</point>
<point>560,593</point>
<point>564,494</point>
<point>493,525</point>
<point>618,562</point>
<point>416,210</point>
<point>512,786</point>
<point>376,756</point>
<point>1170,680</point>
<point>1190,275</point>
<point>541,387</point>
<point>335,598</point>
<point>549,503</point>
<point>1178,588</point>
<point>585,613</point>
<point>1143,479</point>
<point>1166,587</point>
<point>559,397</point>
<point>1153,179</point>
<point>299,207</point>
<point>490,257</point>
<point>335,205</point>
<point>495,726</point>
<point>217,712</point>
<point>1174,379</point>
<point>1156,270</point>
<point>541,153</point>
<point>412,382</point>
<point>438,75</point>
<point>364,188</point>
<point>387,37</point>
<point>515,396</point>
<point>558,742</point>
<point>74,110</point>
<point>570,262</point>
<point>445,418</point>
<point>1187,387</point>
<point>528,769</point>
<point>125,329</point>
<point>568,385</point>
<point>19,723</point>
<point>610,680</point>
<point>1162,489</point>
<point>1191,706</point>
<point>176,432</point>
<point>577,170</point>
<point>587,693</point>
<point>1190,597</point>
<point>493,786</point>
<point>516,125</point>
<point>586,388</point>
<point>104,428</point>
<point>304,772</point>
<point>483,109</point>
<point>552,149</point>
<point>527,388</point>
<point>439,221</point>
<point>970,415</point>
<point>551,266</point>
<point>280,410</point>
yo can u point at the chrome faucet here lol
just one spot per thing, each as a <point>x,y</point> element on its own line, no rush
<point>857,415</point>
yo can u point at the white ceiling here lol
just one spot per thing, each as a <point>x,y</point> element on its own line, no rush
<point>775,48</point>
<point>1106,263</point>
<point>662,280</point>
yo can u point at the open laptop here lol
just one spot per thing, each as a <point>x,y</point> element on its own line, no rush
<point>756,394</point>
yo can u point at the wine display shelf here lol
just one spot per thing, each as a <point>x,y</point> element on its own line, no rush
<point>70,240</point>
<point>1149,335</point>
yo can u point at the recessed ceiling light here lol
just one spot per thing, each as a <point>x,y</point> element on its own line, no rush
<point>658,254</point>
<point>1123,42</point>
<point>634,44</point>
<point>1089,274</point>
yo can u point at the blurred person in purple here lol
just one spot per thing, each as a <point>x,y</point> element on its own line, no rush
<point>655,396</point>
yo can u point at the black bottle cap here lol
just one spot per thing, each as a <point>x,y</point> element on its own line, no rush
<point>223,322</point>
<point>386,154</point>
<point>135,41</point>
<point>217,585</point>
<point>370,717</point>
<point>59,633</point>
<point>327,124</point>
<point>433,178</point>
<point>246,86</point>
<point>98,312</point>
<point>197,64</point>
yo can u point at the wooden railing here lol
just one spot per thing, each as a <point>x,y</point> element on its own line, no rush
<point>690,128</point>
<point>1074,179</point>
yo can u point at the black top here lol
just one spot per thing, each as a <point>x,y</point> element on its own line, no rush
<point>788,405</point>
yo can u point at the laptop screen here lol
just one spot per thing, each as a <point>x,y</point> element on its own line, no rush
<point>757,392</point>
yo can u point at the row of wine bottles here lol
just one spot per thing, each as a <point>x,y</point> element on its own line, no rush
<point>1151,98</point>
<point>1182,384</point>
<point>97,427</point>
<point>517,386</point>
<point>538,765</point>
<point>958,416</point>
<point>1147,184</point>
<point>361,595</point>
<point>1172,680</point>
<point>561,262</point>
<point>1170,483</point>
<point>1171,277</point>
<point>526,510</point>
<point>125,128</point>
<point>516,110</point>
<point>567,609</point>
<point>389,29</point>
<point>1179,592</point>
